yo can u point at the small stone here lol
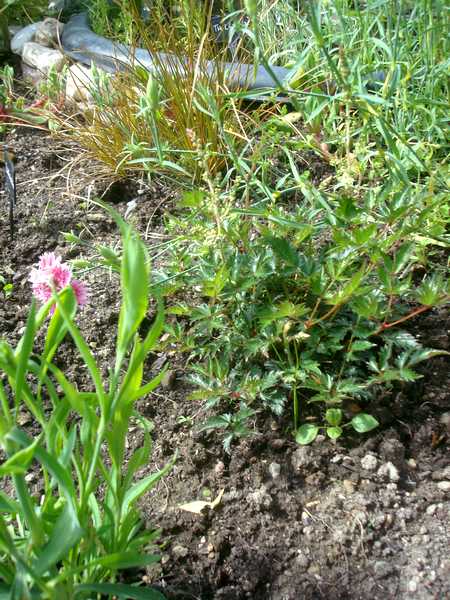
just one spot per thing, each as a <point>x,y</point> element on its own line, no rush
<point>390,471</point>
<point>48,33</point>
<point>274,470</point>
<point>412,463</point>
<point>431,509</point>
<point>302,560</point>
<point>22,37</point>
<point>369,462</point>
<point>444,486</point>
<point>349,486</point>
<point>445,419</point>
<point>43,59</point>
<point>412,586</point>
<point>337,458</point>
<point>180,551</point>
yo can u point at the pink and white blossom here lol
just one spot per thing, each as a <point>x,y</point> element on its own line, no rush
<point>52,273</point>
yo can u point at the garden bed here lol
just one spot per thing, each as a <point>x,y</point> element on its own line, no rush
<point>346,519</point>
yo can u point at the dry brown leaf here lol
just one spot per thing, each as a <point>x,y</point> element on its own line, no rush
<point>197,506</point>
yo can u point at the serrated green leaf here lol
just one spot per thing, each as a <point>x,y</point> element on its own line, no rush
<point>284,250</point>
<point>361,345</point>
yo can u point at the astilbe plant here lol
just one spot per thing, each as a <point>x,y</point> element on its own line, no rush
<point>73,539</point>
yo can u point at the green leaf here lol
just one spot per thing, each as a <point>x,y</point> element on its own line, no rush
<point>284,250</point>
<point>57,328</point>
<point>126,560</point>
<point>66,533</point>
<point>8,505</point>
<point>24,350</point>
<point>334,432</point>
<point>61,475</point>
<point>20,461</point>
<point>191,199</point>
<point>334,416</point>
<point>362,423</point>
<point>360,346</point>
<point>134,285</point>
<point>120,590</point>
<point>306,434</point>
<point>142,486</point>
<point>283,310</point>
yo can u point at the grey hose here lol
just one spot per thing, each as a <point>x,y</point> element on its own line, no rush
<point>83,45</point>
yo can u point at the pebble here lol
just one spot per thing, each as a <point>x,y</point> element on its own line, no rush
<point>431,509</point>
<point>444,486</point>
<point>349,486</point>
<point>274,470</point>
<point>302,560</point>
<point>337,458</point>
<point>369,462</point>
<point>180,551</point>
<point>390,471</point>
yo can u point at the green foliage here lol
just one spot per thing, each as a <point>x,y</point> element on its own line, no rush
<point>298,305</point>
<point>23,11</point>
<point>299,283</point>
<point>6,287</point>
<point>72,541</point>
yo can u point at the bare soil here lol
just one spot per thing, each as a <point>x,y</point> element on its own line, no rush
<point>360,518</point>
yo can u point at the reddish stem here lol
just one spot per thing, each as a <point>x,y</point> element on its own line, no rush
<point>412,314</point>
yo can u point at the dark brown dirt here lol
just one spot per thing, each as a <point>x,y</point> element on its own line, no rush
<point>356,519</point>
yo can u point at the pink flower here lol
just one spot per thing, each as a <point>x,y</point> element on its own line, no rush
<point>81,292</point>
<point>49,260</point>
<point>52,273</point>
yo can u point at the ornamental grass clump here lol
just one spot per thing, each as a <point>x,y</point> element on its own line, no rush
<point>72,540</point>
<point>161,124</point>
